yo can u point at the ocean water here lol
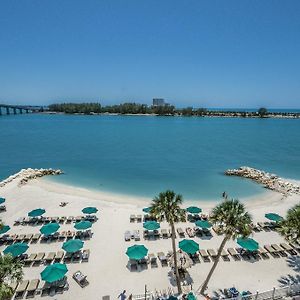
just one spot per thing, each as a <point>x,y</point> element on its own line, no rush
<point>141,156</point>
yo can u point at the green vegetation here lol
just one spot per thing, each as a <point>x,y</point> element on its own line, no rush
<point>166,206</point>
<point>262,112</point>
<point>73,108</point>
<point>290,226</point>
<point>234,221</point>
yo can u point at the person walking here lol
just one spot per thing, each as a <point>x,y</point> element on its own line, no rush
<point>122,296</point>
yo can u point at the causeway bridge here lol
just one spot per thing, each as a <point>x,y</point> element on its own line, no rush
<point>7,109</point>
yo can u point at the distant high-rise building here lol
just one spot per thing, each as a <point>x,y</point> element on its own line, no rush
<point>158,102</point>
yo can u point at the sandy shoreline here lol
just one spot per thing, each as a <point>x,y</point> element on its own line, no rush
<point>107,269</point>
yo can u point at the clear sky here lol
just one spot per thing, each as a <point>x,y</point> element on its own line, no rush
<point>225,53</point>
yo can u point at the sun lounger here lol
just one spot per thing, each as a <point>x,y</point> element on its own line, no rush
<point>212,253</point>
<point>152,259</point>
<point>271,250</point>
<point>127,235</point>
<point>132,218</point>
<point>80,279</point>
<point>39,257</point>
<point>32,287</point>
<point>68,256</point>
<point>288,248</point>
<point>28,237</point>
<point>70,219</point>
<point>59,256</point>
<point>30,259</point>
<point>20,237</point>
<point>36,237</point>
<point>77,256</point>
<point>180,232</point>
<point>21,289</point>
<point>139,218</point>
<point>278,249</point>
<point>233,253</point>
<point>204,255</point>
<point>164,233</point>
<point>13,285</point>
<point>162,258</point>
<point>19,221</point>
<point>85,255</point>
<point>136,235</point>
<point>50,257</point>
<point>190,232</point>
<point>79,218</point>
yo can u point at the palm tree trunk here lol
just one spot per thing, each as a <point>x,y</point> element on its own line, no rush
<point>205,283</point>
<point>175,259</point>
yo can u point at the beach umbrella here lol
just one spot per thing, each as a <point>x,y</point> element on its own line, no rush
<point>54,272</point>
<point>189,246</point>
<point>4,229</point>
<point>36,212</point>
<point>248,244</point>
<point>83,225</point>
<point>172,298</point>
<point>2,200</point>
<point>191,296</point>
<point>151,225</point>
<point>16,249</point>
<point>194,210</point>
<point>72,245</point>
<point>49,228</point>
<point>273,217</point>
<point>203,224</point>
<point>137,252</point>
<point>146,209</point>
<point>89,210</point>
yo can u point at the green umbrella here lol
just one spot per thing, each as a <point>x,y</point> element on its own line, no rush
<point>54,272</point>
<point>151,225</point>
<point>36,212</point>
<point>191,296</point>
<point>89,210</point>
<point>172,298</point>
<point>72,245</point>
<point>194,210</point>
<point>137,252</point>
<point>83,225</point>
<point>248,244</point>
<point>146,209</point>
<point>16,249</point>
<point>49,228</point>
<point>203,224</point>
<point>189,246</point>
<point>273,217</point>
<point>2,200</point>
<point>4,229</point>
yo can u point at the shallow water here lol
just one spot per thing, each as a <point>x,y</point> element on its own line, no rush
<point>141,156</point>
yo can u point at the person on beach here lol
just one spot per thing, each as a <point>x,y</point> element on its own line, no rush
<point>122,296</point>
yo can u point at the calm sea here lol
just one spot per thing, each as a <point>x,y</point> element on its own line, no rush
<point>142,156</point>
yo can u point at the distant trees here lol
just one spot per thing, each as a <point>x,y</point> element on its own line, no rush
<point>262,112</point>
<point>73,108</point>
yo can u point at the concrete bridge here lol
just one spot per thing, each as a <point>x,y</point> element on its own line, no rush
<point>7,109</point>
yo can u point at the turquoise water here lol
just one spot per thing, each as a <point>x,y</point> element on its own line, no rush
<point>142,156</point>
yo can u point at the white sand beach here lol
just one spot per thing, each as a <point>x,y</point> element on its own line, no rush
<point>107,270</point>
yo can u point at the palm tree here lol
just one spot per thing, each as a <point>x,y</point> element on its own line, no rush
<point>10,270</point>
<point>289,227</point>
<point>234,221</point>
<point>166,206</point>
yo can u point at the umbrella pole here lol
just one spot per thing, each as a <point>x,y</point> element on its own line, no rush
<point>145,292</point>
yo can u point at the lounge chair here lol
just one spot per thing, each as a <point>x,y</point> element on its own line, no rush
<point>164,233</point>
<point>32,287</point>
<point>180,232</point>
<point>163,259</point>
<point>77,256</point>
<point>39,257</point>
<point>127,236</point>
<point>28,237</point>
<point>68,256</point>
<point>139,218</point>
<point>212,253</point>
<point>233,253</point>
<point>85,255</point>
<point>59,256</point>
<point>204,255</point>
<point>29,260</point>
<point>288,248</point>
<point>19,221</point>
<point>20,237</point>
<point>70,219</point>
<point>35,237</point>
<point>225,255</point>
<point>190,232</point>
<point>21,289</point>
<point>132,218</point>
<point>13,285</point>
<point>136,234</point>
<point>278,249</point>
<point>132,264</point>
<point>271,250</point>
<point>152,260</point>
<point>50,257</point>
<point>263,252</point>
<point>80,279</point>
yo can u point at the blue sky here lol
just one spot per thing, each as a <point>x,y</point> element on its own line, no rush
<point>210,53</point>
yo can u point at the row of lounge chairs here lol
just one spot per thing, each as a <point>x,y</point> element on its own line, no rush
<point>30,288</point>
<point>2,208</point>
<point>34,259</point>
<point>46,220</point>
<point>35,237</point>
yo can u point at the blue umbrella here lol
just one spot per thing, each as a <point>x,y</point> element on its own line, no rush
<point>2,200</point>
<point>49,228</point>
<point>4,229</point>
<point>36,212</point>
<point>16,249</point>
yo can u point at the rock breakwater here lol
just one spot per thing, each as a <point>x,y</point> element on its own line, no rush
<point>28,174</point>
<point>268,180</point>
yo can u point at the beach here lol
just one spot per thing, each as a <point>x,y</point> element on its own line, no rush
<point>107,270</point>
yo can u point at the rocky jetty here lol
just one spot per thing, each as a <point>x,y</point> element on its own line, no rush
<point>28,174</point>
<point>269,181</point>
